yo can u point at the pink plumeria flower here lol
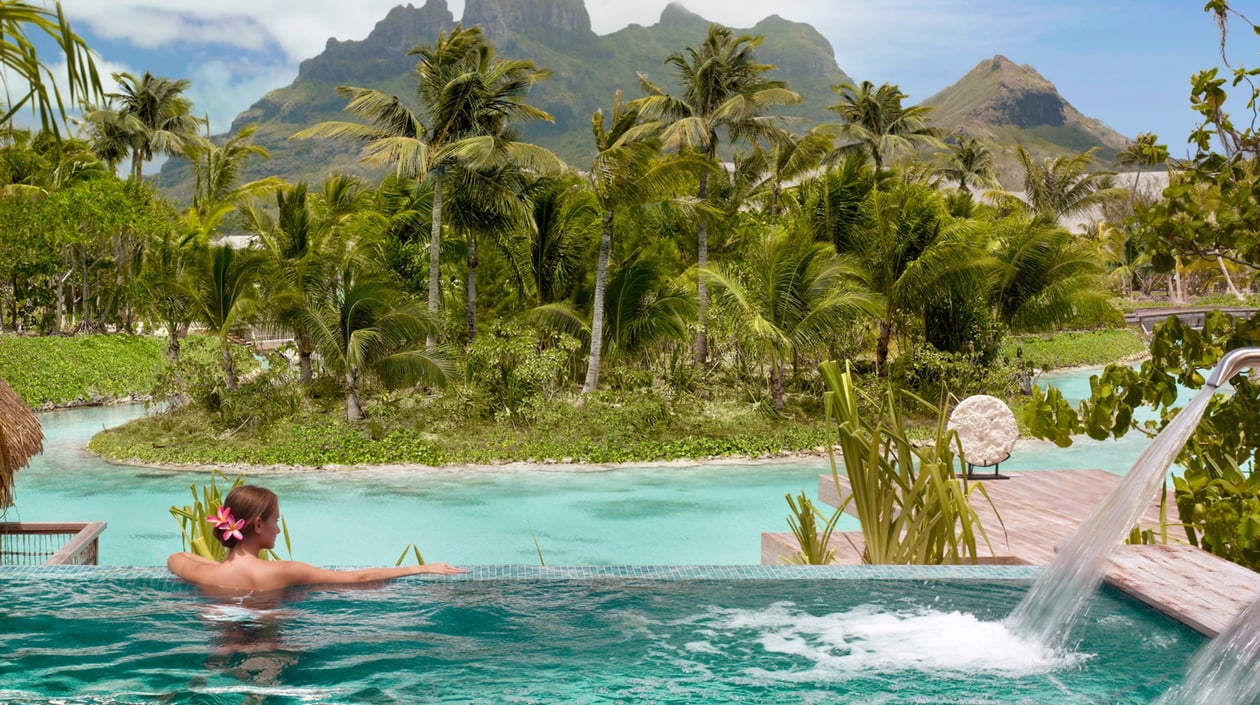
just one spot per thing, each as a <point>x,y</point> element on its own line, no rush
<point>223,518</point>
<point>232,529</point>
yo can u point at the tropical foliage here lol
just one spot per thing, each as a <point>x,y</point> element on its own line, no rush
<point>912,506</point>
<point>483,283</point>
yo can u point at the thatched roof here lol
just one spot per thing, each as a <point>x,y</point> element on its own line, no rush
<point>21,437</point>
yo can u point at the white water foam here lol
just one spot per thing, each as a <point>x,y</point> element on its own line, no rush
<point>872,639</point>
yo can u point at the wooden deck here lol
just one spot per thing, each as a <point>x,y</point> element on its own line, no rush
<point>1039,509</point>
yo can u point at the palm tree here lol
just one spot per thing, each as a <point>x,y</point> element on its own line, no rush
<point>876,125</point>
<point>1061,186</point>
<point>1045,275</point>
<point>724,89</point>
<point>294,270</point>
<point>788,292</point>
<point>165,287</point>
<point>903,249</point>
<point>224,293</point>
<point>19,55</point>
<point>153,117</point>
<point>969,163</point>
<point>562,221</point>
<point>365,325</point>
<point>791,159</point>
<point>469,97</point>
<point>217,171</point>
<point>488,202</point>
<point>627,173</point>
<point>1144,151</point>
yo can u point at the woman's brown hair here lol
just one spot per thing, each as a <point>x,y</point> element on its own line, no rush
<point>249,502</point>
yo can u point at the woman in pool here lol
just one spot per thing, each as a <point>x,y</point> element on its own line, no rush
<point>249,522</point>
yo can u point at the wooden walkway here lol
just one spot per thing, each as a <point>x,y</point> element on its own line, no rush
<point>1039,509</point>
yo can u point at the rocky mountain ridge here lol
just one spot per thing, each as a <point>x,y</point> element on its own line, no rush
<point>998,101</point>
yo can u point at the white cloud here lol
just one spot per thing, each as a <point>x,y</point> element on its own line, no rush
<point>300,30</point>
<point>221,93</point>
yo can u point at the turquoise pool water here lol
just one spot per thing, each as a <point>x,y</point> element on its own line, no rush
<point>647,515</point>
<point>513,634</point>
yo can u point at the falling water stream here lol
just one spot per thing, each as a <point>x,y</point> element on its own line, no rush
<point>1054,603</point>
<point>1227,670</point>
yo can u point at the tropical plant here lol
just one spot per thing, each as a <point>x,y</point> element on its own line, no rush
<point>196,533</point>
<point>1216,498</point>
<point>296,265</point>
<point>912,506</point>
<point>224,291</point>
<point>152,117</point>
<point>1143,151</point>
<point>560,228</point>
<point>470,98</point>
<point>628,173</point>
<point>902,248</point>
<point>788,293</point>
<point>790,159</point>
<point>724,90</point>
<point>814,544</point>
<point>365,325</point>
<point>165,287</point>
<point>21,22</point>
<point>969,163</point>
<point>217,172</point>
<point>1060,186</point>
<point>875,123</point>
<point>1044,274</point>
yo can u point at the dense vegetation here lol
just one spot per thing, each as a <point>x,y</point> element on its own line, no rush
<point>58,371</point>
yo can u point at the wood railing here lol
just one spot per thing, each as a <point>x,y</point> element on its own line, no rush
<point>50,543</point>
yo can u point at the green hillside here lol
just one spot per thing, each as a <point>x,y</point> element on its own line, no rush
<point>587,70</point>
<point>999,102</point>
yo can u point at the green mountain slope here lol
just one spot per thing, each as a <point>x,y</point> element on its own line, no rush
<point>1004,104</point>
<point>556,34</point>
<point>999,102</point>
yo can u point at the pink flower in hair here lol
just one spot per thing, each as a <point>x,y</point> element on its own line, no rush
<point>233,529</point>
<point>223,518</point>
<point>228,524</point>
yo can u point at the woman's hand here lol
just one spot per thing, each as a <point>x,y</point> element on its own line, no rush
<point>441,568</point>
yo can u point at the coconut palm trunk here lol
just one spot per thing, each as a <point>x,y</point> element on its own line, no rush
<point>435,248</point>
<point>777,394</point>
<point>304,346</point>
<point>471,309</point>
<point>597,315</point>
<point>702,289</point>
<point>354,409</point>
<point>229,370</point>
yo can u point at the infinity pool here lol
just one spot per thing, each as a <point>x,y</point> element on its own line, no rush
<point>513,634</point>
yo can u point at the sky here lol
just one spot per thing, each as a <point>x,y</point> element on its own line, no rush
<point>1127,63</point>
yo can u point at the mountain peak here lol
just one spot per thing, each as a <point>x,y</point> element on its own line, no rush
<point>1004,103</point>
<point>542,20</point>
<point>675,12</point>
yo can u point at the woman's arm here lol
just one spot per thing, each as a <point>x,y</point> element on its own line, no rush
<point>297,573</point>
<point>187,564</point>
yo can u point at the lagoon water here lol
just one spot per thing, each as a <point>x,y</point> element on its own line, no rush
<point>644,515</point>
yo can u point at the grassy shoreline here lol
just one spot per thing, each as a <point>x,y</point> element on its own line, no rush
<point>611,428</point>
